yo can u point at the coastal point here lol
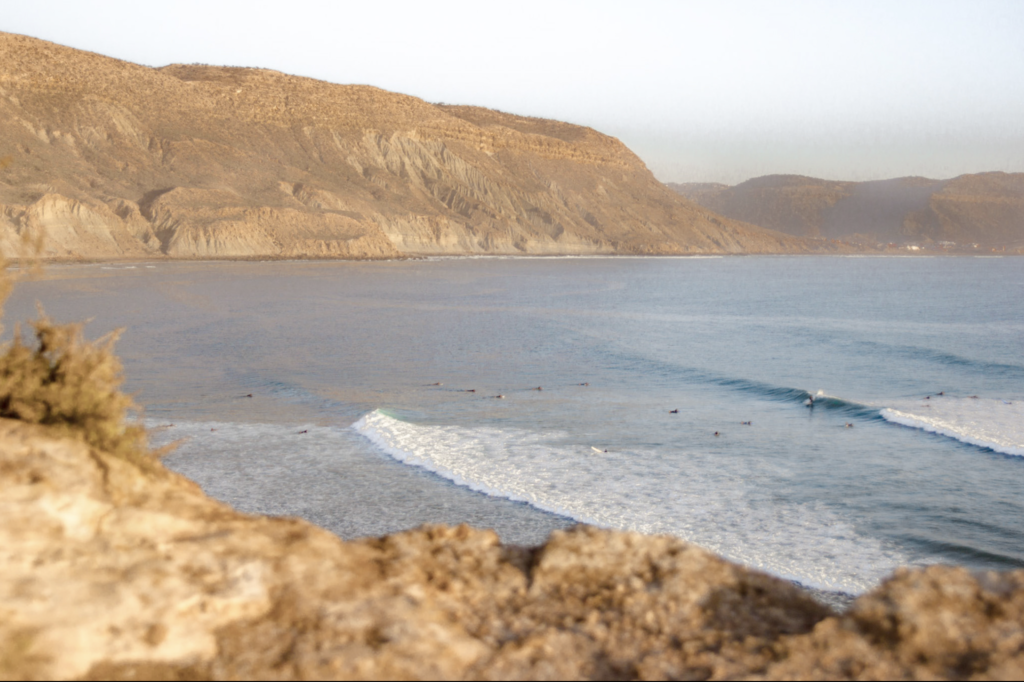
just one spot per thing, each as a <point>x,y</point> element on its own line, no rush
<point>533,341</point>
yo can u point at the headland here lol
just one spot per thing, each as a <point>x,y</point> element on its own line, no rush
<point>104,159</point>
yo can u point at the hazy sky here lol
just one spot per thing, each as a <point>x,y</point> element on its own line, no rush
<point>702,91</point>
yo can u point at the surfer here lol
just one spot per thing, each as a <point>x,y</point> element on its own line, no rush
<point>716,433</point>
<point>538,389</point>
<point>810,401</point>
<point>849,425</point>
<point>500,397</point>
<point>303,431</point>
<point>673,411</point>
<point>584,384</point>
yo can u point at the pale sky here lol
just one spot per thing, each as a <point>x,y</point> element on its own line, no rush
<point>702,91</point>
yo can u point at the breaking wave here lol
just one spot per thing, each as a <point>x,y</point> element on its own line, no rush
<point>694,497</point>
<point>994,424</point>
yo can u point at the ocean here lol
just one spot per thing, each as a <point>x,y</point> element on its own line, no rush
<point>824,419</point>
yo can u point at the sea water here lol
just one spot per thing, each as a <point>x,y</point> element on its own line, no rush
<point>825,419</point>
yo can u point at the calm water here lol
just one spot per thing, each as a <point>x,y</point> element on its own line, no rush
<point>347,427</point>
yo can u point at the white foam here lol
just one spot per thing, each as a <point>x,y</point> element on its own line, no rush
<point>694,497</point>
<point>986,422</point>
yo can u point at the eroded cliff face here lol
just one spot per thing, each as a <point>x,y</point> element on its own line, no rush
<point>108,570</point>
<point>109,159</point>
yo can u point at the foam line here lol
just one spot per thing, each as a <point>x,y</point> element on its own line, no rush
<point>994,424</point>
<point>700,498</point>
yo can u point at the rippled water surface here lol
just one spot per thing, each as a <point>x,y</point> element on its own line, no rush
<point>374,397</point>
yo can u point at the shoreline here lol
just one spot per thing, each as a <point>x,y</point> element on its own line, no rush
<point>29,263</point>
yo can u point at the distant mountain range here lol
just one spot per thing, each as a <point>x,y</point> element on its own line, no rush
<point>108,159</point>
<point>984,211</point>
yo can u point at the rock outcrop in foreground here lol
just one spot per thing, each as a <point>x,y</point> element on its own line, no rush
<point>109,569</point>
<point>981,211</point>
<point>115,160</point>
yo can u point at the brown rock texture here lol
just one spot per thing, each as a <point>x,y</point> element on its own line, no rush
<point>984,210</point>
<point>108,570</point>
<point>109,159</point>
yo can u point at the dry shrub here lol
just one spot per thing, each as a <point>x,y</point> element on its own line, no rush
<point>70,386</point>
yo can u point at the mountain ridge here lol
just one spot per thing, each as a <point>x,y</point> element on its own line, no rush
<point>111,159</point>
<point>979,211</point>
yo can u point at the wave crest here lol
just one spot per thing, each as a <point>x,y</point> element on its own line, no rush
<point>997,425</point>
<point>694,497</point>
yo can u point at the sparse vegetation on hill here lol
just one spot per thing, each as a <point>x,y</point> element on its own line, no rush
<point>115,160</point>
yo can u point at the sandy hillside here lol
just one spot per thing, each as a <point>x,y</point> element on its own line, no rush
<point>110,159</point>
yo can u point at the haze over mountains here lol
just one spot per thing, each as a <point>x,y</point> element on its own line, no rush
<point>980,211</point>
<point>110,159</point>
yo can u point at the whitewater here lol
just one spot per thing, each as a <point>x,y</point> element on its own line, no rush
<point>997,425</point>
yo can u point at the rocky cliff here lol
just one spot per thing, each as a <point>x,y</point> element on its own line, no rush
<point>109,159</point>
<point>111,570</point>
<point>985,209</point>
